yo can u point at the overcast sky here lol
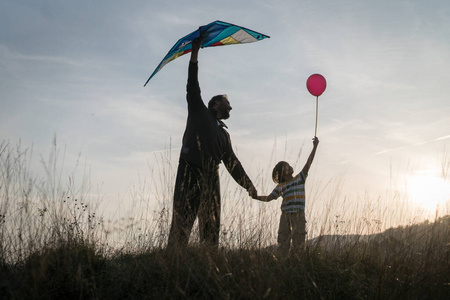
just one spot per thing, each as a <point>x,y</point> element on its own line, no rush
<point>76,70</point>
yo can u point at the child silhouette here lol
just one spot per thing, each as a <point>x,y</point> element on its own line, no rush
<point>292,189</point>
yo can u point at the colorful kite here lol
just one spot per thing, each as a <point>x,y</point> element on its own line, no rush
<point>217,33</point>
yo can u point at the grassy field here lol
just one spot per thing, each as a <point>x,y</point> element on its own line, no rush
<point>385,269</point>
<point>54,246</point>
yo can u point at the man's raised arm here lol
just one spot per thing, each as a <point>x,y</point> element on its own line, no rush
<point>193,97</point>
<point>196,43</point>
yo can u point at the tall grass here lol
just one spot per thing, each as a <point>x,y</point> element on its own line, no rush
<point>42,211</point>
<point>55,244</point>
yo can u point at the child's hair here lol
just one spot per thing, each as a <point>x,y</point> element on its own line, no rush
<point>277,173</point>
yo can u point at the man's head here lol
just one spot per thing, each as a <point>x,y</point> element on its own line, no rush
<point>221,105</point>
<point>281,172</point>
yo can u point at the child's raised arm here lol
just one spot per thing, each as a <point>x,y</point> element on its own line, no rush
<point>311,156</point>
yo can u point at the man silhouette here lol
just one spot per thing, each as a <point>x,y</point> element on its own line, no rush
<point>206,144</point>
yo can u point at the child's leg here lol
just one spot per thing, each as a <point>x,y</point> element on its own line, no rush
<point>284,233</point>
<point>298,222</point>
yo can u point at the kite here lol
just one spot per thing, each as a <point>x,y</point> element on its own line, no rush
<point>214,34</point>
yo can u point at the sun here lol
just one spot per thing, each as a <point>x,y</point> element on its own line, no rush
<point>428,190</point>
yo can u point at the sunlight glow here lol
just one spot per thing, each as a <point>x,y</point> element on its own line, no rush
<point>428,190</point>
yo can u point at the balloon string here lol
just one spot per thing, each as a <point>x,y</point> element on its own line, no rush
<point>317,108</point>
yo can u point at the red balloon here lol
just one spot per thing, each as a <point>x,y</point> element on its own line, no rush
<point>316,84</point>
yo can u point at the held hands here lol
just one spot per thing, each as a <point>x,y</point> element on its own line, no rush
<point>254,194</point>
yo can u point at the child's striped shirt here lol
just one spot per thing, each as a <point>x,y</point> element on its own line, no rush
<point>293,193</point>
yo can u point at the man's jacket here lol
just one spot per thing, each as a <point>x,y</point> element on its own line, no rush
<point>205,141</point>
